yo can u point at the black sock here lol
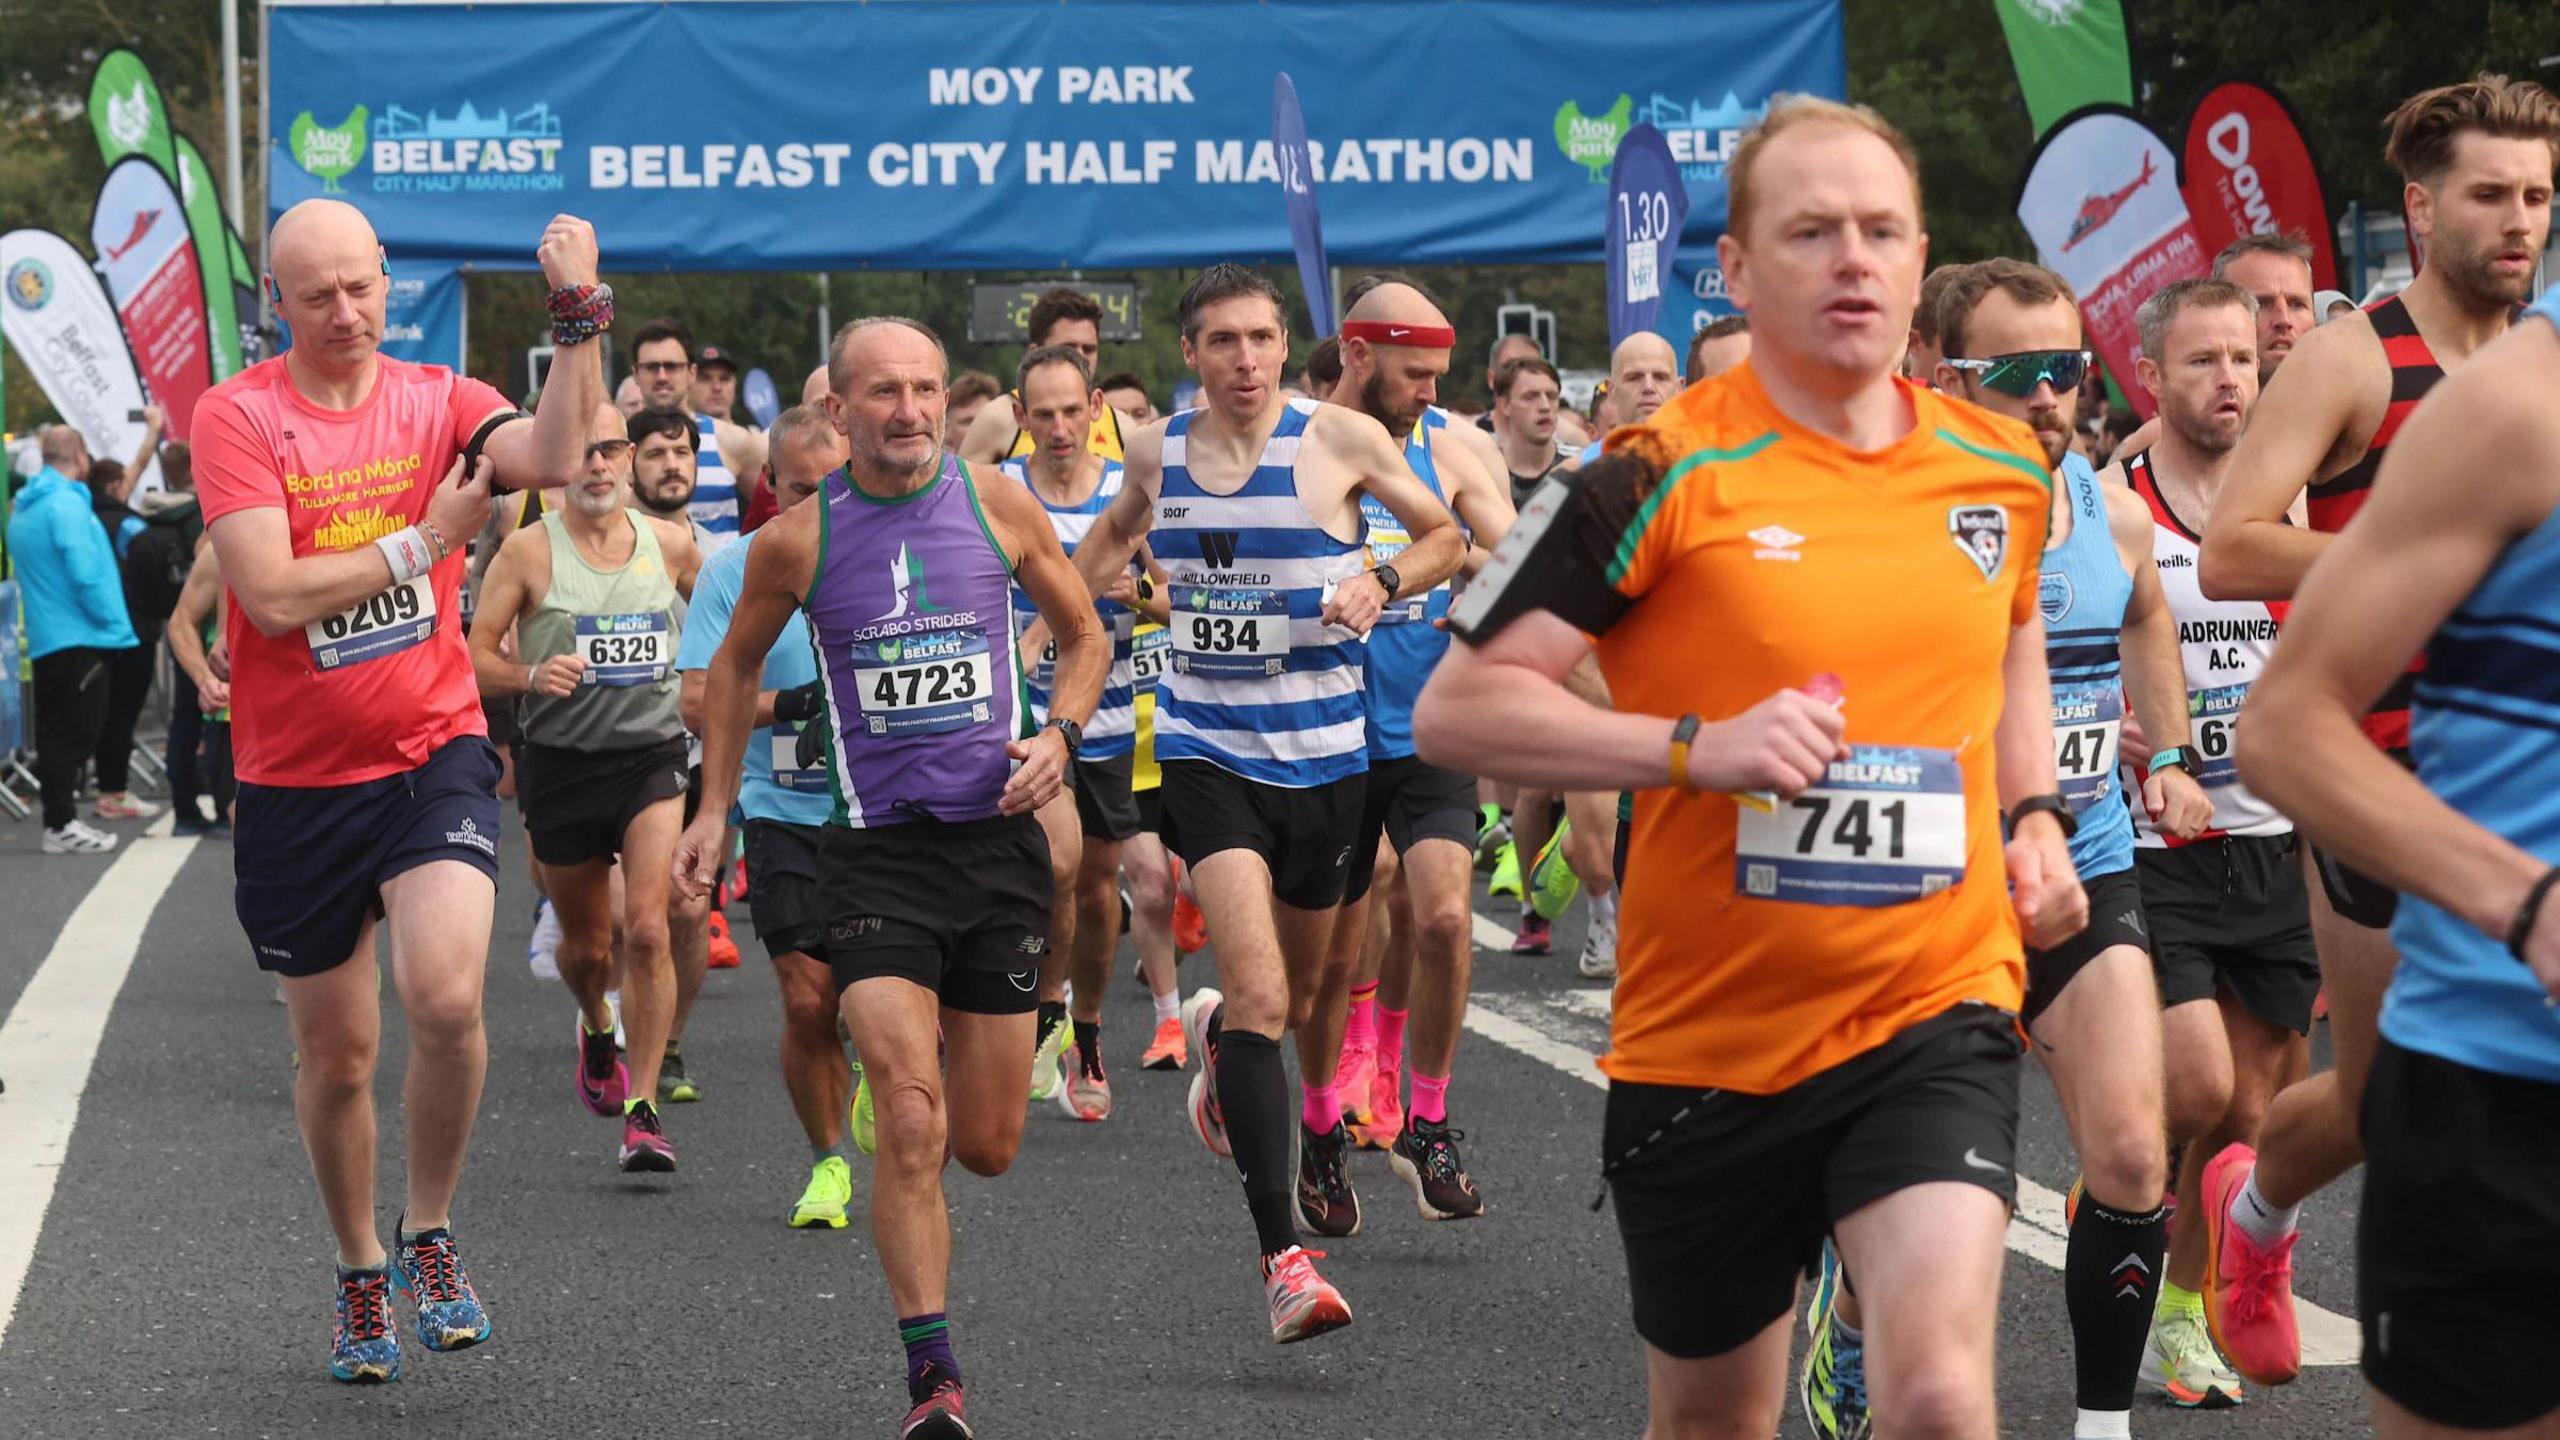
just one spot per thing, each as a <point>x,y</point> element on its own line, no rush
<point>1253,1092</point>
<point>1089,1048</point>
<point>1053,1013</point>
<point>2110,1280</point>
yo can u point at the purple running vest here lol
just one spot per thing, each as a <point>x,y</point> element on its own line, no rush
<point>911,618</point>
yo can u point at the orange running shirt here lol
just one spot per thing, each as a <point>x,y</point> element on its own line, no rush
<point>377,689</point>
<point>1756,949</point>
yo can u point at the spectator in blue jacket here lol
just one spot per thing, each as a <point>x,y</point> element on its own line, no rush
<point>73,603</point>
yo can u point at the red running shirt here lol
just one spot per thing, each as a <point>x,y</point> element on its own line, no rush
<point>375,690</point>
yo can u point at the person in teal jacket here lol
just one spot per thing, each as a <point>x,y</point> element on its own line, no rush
<point>73,602</point>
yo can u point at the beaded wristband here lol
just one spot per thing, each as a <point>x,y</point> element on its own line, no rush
<point>580,313</point>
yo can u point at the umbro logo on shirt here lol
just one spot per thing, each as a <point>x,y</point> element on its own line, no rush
<point>1776,542</point>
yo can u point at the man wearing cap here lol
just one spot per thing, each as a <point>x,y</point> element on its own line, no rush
<point>715,382</point>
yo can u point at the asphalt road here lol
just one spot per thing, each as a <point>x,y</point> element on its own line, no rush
<point>1105,1287</point>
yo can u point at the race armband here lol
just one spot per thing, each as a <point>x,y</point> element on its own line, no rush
<point>480,441</point>
<point>1558,554</point>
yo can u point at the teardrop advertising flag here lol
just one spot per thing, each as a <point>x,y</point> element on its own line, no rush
<point>149,261</point>
<point>1298,186</point>
<point>130,118</point>
<point>2068,53</point>
<point>1647,207</point>
<point>2247,170</point>
<point>62,327</point>
<point>2101,202</point>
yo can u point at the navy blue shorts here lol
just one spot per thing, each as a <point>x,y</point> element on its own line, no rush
<point>308,864</point>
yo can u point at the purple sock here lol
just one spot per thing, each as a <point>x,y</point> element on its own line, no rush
<point>928,1341</point>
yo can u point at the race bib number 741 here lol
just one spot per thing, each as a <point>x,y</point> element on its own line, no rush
<point>1884,827</point>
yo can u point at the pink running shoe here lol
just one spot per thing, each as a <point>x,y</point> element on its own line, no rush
<point>2248,1287</point>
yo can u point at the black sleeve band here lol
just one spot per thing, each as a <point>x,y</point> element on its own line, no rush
<point>2530,911</point>
<point>1559,554</point>
<point>480,439</point>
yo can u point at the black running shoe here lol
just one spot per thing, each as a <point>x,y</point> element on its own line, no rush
<point>1426,1155</point>
<point>1326,1204</point>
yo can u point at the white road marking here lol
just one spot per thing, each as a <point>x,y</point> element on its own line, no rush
<point>2037,1230</point>
<point>51,1039</point>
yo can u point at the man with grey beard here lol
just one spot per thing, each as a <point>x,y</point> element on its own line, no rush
<point>591,595</point>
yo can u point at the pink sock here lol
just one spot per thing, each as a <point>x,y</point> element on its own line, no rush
<point>1430,1099</point>
<point>1322,1109</point>
<point>1362,1031</point>
<point>1391,1037</point>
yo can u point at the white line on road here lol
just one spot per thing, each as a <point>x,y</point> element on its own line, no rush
<point>2037,1229</point>
<point>51,1038</point>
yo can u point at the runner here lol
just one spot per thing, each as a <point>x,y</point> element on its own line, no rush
<point>1261,722</point>
<point>933,871</point>
<point>2274,267</point>
<point>1063,315</point>
<point>731,458</point>
<point>1922,362</point>
<point>1098,812</point>
<point>2478,160</point>
<point>2011,341</point>
<point>1395,349</point>
<point>1717,347</point>
<point>1126,392</point>
<point>2230,918</point>
<point>785,804</point>
<point>590,596</point>
<point>714,391</point>
<point>1851,1004</point>
<point>364,778</point>
<point>1524,423</point>
<point>1156,903</point>
<point>2460,1222</point>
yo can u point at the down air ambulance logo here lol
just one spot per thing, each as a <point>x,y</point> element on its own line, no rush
<point>2097,210</point>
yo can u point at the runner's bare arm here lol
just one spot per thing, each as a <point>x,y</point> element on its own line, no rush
<point>550,449</point>
<point>1104,552</point>
<point>1481,501</point>
<point>2417,550</point>
<point>2155,677</point>
<point>196,601</point>
<point>1084,647</point>
<point>2330,397</point>
<point>693,690</point>
<point>752,451</point>
<point>282,592</point>
<point>1480,447</point>
<point>990,433</point>
<point>779,570</point>
<point>2045,890</point>
<point>684,558</point>
<point>1377,466</point>
<point>502,598</point>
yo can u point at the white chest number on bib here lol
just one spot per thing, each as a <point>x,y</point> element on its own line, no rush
<point>384,623</point>
<point>925,684</point>
<point>1230,632</point>
<point>624,649</point>
<point>1146,662</point>
<point>1885,826</point>
<point>2086,727</point>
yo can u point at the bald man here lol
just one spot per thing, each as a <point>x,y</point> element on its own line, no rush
<point>339,489</point>
<point>1395,350</point>
<point>814,390</point>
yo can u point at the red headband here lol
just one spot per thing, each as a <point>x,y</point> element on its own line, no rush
<point>1383,332</point>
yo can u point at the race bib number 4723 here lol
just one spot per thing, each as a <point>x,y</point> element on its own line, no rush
<point>926,684</point>
<point>1884,827</point>
<point>384,623</point>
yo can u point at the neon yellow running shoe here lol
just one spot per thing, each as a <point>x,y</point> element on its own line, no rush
<point>1506,872</point>
<point>1048,1074</point>
<point>830,1190</point>
<point>1552,883</point>
<point>859,1117</point>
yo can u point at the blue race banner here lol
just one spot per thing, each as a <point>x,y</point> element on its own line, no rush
<point>1692,298</point>
<point>1297,185</point>
<point>756,392</point>
<point>1015,133</point>
<point>423,322</point>
<point>1647,208</point>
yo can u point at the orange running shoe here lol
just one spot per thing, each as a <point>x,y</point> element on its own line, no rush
<point>1351,1076</point>
<point>1302,1304</point>
<point>1384,1110</point>
<point>2248,1287</point>
<point>1170,1050</point>
<point>1190,927</point>
<point>724,951</point>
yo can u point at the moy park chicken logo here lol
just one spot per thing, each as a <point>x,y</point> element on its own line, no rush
<point>1702,136</point>
<point>409,153</point>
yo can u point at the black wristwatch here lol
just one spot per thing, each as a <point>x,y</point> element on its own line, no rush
<point>1385,574</point>
<point>1073,733</point>
<point>2180,756</point>
<point>2053,805</point>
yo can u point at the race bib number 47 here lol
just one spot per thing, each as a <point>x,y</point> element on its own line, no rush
<point>1885,826</point>
<point>384,623</point>
<point>2087,723</point>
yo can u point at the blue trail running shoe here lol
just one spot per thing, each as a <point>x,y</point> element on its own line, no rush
<point>364,1349</point>
<point>429,1269</point>
<point>1833,1389</point>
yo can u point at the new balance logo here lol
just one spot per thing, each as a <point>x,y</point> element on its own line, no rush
<point>1218,549</point>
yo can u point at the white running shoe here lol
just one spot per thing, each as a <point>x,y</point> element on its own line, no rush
<point>1600,944</point>
<point>122,805</point>
<point>544,953</point>
<point>78,837</point>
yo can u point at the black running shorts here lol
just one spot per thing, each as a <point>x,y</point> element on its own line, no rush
<point>1304,834</point>
<point>961,909</point>
<point>309,863</point>
<point>2232,913</point>
<point>1106,808</point>
<point>1409,799</point>
<point>578,803</point>
<point>2458,1241</point>
<point>782,887</point>
<point>2358,898</point>
<point>2115,918</point>
<point>1723,1199</point>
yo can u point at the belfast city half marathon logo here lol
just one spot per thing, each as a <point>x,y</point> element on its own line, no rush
<point>468,149</point>
<point>1702,136</point>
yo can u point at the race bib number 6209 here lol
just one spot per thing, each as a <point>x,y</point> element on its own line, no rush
<point>384,623</point>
